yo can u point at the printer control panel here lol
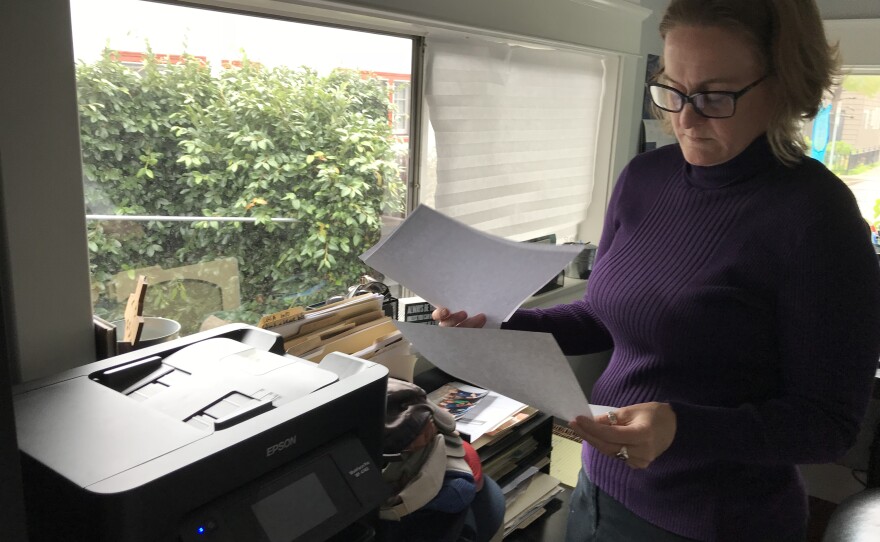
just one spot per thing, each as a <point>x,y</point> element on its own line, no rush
<point>308,501</point>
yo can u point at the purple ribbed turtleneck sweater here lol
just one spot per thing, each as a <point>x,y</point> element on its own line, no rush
<point>746,295</point>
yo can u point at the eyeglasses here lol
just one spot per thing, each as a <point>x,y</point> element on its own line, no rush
<point>714,104</point>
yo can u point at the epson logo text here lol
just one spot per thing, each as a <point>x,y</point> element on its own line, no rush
<point>286,443</point>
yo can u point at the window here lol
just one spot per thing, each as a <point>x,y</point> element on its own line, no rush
<point>241,163</point>
<point>401,100</point>
<point>512,135</point>
<point>845,136</point>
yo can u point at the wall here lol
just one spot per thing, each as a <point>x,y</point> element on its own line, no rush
<point>858,41</point>
<point>850,9</point>
<point>46,303</point>
<point>611,26</point>
<point>11,505</point>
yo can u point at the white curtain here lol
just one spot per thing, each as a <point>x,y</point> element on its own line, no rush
<point>511,136</point>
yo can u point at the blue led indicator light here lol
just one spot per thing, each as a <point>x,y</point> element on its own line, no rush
<point>200,530</point>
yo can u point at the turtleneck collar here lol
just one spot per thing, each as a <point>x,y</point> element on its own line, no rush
<point>758,156</point>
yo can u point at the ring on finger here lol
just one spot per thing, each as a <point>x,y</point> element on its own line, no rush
<point>622,454</point>
<point>612,418</point>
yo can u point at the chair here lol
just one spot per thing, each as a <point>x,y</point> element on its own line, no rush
<point>856,519</point>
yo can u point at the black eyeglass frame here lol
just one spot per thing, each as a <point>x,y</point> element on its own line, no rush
<point>734,95</point>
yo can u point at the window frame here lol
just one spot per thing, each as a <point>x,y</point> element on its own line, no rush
<point>213,54</point>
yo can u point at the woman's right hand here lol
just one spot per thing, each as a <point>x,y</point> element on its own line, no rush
<point>447,318</point>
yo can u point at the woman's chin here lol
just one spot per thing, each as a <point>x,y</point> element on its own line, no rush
<point>702,153</point>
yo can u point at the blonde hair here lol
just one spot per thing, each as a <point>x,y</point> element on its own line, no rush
<point>789,39</point>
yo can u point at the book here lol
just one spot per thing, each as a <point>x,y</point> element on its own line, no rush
<point>105,338</point>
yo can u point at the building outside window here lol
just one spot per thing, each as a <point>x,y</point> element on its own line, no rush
<point>400,112</point>
<point>845,136</point>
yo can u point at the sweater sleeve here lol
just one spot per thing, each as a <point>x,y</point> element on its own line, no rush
<point>574,326</point>
<point>828,322</point>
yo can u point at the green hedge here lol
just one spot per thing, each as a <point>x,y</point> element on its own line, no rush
<point>186,140</point>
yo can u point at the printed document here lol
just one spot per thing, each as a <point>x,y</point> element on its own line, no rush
<point>522,365</point>
<point>450,264</point>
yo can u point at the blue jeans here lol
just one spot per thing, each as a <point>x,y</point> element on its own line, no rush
<point>596,517</point>
<point>488,510</point>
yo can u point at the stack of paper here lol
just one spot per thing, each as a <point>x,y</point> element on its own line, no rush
<point>525,498</point>
<point>356,326</point>
<point>489,438</point>
<point>486,412</point>
<point>450,264</point>
<point>504,463</point>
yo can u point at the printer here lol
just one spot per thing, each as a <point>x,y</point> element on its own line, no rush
<point>217,436</point>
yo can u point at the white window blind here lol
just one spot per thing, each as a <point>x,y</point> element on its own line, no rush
<point>511,135</point>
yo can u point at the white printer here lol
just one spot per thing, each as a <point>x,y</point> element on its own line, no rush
<point>216,436</point>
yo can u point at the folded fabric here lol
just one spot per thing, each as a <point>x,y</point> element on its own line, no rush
<point>456,493</point>
<point>426,461</point>
<point>473,460</point>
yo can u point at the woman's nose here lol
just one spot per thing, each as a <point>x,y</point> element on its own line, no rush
<point>688,116</point>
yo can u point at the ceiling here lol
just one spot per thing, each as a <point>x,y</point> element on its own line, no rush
<point>849,9</point>
<point>830,9</point>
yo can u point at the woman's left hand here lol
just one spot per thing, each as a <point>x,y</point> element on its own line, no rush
<point>645,430</point>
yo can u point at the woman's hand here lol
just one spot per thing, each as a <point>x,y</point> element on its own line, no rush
<point>447,318</point>
<point>645,430</point>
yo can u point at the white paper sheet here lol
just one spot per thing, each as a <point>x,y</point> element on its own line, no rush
<point>522,365</point>
<point>450,264</point>
<point>490,412</point>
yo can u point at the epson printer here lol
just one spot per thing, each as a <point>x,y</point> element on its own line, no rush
<point>217,436</point>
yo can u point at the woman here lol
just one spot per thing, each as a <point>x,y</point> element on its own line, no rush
<point>736,282</point>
